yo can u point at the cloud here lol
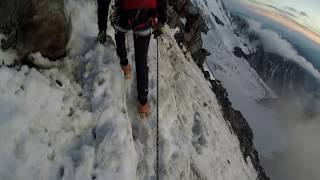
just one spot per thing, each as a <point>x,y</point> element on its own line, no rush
<point>274,43</point>
<point>291,10</point>
<point>300,158</point>
<point>302,13</point>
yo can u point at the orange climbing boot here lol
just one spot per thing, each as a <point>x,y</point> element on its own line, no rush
<point>143,110</point>
<point>126,71</point>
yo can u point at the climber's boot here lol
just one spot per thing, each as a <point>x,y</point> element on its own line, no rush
<point>143,110</point>
<point>126,71</point>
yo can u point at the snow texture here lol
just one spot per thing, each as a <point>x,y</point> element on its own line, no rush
<point>80,122</point>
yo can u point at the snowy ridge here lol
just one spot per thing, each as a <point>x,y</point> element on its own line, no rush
<point>72,143</point>
<point>92,131</point>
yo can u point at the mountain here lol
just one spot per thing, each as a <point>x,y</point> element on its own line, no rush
<point>278,96</point>
<point>287,78</point>
<point>77,118</point>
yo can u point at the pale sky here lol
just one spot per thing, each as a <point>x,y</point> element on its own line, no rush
<point>307,11</point>
<point>299,15</point>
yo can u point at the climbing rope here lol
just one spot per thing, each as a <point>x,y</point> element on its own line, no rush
<point>157,166</point>
<point>211,71</point>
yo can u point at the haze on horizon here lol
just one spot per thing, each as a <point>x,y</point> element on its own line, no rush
<point>302,16</point>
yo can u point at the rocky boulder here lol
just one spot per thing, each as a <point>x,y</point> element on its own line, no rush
<point>180,6</point>
<point>191,29</point>
<point>35,26</point>
<point>237,51</point>
<point>200,56</point>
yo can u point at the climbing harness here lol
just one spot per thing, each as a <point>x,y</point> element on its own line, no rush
<point>140,21</point>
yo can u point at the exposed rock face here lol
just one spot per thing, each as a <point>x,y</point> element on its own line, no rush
<point>239,126</point>
<point>283,76</point>
<point>200,56</point>
<point>190,31</point>
<point>218,21</point>
<point>35,26</point>
<point>242,25</point>
<point>238,52</point>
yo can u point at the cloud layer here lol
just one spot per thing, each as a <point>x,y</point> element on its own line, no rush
<point>274,43</point>
<point>297,12</point>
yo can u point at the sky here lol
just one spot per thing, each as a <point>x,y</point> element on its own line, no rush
<point>299,15</point>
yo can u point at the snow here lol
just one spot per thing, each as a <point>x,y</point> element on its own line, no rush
<point>7,57</point>
<point>208,6</point>
<point>34,123</point>
<point>80,121</point>
<point>245,89</point>
<point>43,63</point>
<point>244,86</point>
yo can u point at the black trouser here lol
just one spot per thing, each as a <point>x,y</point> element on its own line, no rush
<point>141,47</point>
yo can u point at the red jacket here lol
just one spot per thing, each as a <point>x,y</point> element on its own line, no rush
<point>137,4</point>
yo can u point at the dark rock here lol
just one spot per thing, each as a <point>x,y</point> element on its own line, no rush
<point>180,6</point>
<point>238,52</point>
<point>191,30</point>
<point>200,56</point>
<point>218,21</point>
<point>242,24</point>
<point>240,127</point>
<point>61,172</point>
<point>206,75</point>
<point>174,20</point>
<point>192,33</point>
<point>59,83</point>
<point>35,26</point>
<point>285,77</point>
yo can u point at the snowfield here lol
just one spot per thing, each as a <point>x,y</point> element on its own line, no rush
<point>80,122</point>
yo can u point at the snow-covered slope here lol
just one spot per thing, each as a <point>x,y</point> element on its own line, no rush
<point>273,131</point>
<point>242,82</point>
<point>53,127</point>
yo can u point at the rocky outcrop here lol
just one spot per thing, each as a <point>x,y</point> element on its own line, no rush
<point>35,26</point>
<point>239,126</point>
<point>242,25</point>
<point>190,31</point>
<point>238,52</point>
<point>283,76</point>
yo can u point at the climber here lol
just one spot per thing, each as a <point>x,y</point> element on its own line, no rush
<point>142,17</point>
